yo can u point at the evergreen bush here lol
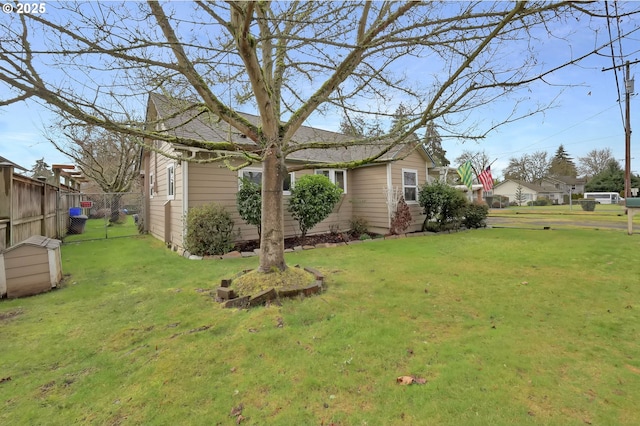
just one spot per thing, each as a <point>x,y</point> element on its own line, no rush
<point>249,202</point>
<point>443,204</point>
<point>209,230</point>
<point>475,215</point>
<point>588,204</point>
<point>312,200</point>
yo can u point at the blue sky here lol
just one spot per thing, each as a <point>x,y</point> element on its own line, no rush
<point>587,112</point>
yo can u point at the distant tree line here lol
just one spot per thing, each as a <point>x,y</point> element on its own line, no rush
<point>602,171</point>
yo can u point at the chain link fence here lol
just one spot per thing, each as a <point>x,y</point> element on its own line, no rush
<point>103,215</point>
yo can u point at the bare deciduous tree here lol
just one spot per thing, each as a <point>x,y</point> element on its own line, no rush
<point>479,160</point>
<point>287,61</point>
<point>528,168</point>
<point>108,158</point>
<point>595,162</point>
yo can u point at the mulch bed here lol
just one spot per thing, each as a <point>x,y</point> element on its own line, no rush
<point>290,243</point>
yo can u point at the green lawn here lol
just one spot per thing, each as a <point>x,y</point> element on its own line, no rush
<point>606,216</point>
<point>508,326</point>
<point>604,210</point>
<point>101,228</point>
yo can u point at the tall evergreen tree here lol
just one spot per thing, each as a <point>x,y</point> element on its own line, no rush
<point>352,126</point>
<point>358,127</point>
<point>433,145</point>
<point>401,118</point>
<point>562,164</point>
<point>42,170</point>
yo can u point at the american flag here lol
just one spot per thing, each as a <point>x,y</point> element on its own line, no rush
<point>486,179</point>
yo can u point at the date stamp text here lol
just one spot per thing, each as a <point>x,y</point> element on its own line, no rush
<point>25,8</point>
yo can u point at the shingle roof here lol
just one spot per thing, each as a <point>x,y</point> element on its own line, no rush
<point>183,119</point>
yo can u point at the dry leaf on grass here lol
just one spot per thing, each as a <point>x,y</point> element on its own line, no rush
<point>410,380</point>
<point>237,411</point>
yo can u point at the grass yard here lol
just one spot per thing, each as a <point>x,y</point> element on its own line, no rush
<point>101,228</point>
<point>507,326</point>
<point>562,216</point>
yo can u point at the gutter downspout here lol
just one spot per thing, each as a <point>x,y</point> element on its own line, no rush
<point>185,200</point>
<point>390,188</point>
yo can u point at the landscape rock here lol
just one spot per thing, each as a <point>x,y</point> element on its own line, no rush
<point>238,302</point>
<point>232,255</point>
<point>262,297</point>
<point>225,293</point>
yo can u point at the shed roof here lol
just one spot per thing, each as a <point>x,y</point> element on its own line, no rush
<point>36,241</point>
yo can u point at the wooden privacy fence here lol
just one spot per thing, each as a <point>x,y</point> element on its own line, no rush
<point>31,207</point>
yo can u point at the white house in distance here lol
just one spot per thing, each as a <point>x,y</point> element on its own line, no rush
<point>553,189</point>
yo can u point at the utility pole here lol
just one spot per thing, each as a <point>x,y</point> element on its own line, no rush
<point>627,134</point>
<point>628,89</point>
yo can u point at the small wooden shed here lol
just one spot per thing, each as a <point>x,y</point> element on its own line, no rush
<point>30,267</point>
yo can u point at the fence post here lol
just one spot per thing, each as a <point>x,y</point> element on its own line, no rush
<point>43,207</point>
<point>6,202</point>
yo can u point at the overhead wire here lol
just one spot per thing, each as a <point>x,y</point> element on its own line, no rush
<point>613,56</point>
<point>615,69</point>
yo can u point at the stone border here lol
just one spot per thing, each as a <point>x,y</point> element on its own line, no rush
<point>227,297</point>
<point>256,252</point>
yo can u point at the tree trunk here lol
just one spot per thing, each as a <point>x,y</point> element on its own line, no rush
<point>272,236</point>
<point>115,208</point>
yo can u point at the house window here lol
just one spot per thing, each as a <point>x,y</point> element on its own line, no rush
<point>255,176</point>
<point>337,177</point>
<point>152,183</point>
<point>171,182</point>
<point>410,185</point>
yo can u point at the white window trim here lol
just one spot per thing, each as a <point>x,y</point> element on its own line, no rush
<point>410,186</point>
<point>152,189</point>
<point>171,185</point>
<point>258,170</point>
<point>332,176</point>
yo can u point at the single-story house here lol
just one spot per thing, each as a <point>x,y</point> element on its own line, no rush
<point>529,191</point>
<point>173,185</point>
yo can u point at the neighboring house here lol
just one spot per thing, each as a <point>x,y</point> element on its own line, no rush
<point>554,189</point>
<point>173,186</point>
<point>529,191</point>
<point>565,184</point>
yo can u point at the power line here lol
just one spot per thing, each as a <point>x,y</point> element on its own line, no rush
<point>557,133</point>
<point>613,57</point>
